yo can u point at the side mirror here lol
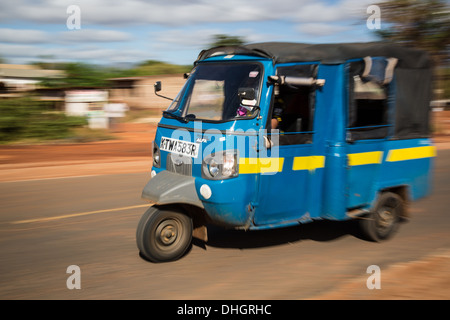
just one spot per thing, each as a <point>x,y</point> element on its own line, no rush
<point>189,117</point>
<point>157,86</point>
<point>246,93</point>
<point>247,96</point>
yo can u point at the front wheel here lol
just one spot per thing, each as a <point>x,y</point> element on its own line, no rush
<point>383,220</point>
<point>163,234</point>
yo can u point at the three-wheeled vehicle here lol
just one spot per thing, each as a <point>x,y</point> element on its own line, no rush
<point>272,135</point>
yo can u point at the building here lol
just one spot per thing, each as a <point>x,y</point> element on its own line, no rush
<point>138,92</point>
<point>16,79</point>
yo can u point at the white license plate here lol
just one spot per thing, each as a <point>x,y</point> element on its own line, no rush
<point>184,148</point>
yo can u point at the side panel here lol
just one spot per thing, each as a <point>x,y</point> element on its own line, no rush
<point>330,130</point>
<point>375,166</point>
<point>310,181</point>
<point>286,190</point>
<point>410,163</point>
<point>364,159</point>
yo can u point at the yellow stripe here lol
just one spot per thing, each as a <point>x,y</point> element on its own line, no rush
<point>411,153</point>
<point>260,165</point>
<point>310,163</point>
<point>362,158</point>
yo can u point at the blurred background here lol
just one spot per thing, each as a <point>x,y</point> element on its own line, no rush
<point>92,64</point>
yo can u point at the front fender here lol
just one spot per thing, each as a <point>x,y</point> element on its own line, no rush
<point>168,188</point>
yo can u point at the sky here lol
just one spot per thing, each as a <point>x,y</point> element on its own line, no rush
<point>114,32</point>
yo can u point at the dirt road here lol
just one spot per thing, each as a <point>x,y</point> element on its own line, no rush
<point>309,262</point>
<point>129,152</point>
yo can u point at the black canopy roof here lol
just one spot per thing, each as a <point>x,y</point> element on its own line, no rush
<point>285,52</point>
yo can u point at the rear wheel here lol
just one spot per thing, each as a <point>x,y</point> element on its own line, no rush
<point>384,219</point>
<point>163,234</point>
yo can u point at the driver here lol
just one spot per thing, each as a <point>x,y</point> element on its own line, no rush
<point>277,113</point>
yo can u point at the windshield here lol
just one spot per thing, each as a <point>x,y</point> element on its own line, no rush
<point>211,92</point>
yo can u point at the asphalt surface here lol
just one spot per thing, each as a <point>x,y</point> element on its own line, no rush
<point>48,225</point>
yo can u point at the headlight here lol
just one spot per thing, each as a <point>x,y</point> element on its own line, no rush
<point>213,168</point>
<point>222,165</point>
<point>156,155</point>
<point>229,167</point>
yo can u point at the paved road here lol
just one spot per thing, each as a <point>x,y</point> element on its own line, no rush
<point>48,225</point>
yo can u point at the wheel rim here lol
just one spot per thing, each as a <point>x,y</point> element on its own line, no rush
<point>386,217</point>
<point>168,233</point>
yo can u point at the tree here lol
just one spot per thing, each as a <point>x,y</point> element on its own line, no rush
<point>423,24</point>
<point>154,67</point>
<point>226,40</point>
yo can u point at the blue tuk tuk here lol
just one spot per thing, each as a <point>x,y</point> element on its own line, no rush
<point>275,134</point>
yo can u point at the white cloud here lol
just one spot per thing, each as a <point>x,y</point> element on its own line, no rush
<point>30,36</point>
<point>320,29</point>
<point>22,36</point>
<point>185,37</point>
<point>198,39</point>
<point>188,37</point>
<point>33,11</point>
<point>18,50</point>
<point>317,12</point>
<point>338,11</point>
<point>167,29</point>
<point>179,13</point>
<point>95,54</point>
<point>92,35</point>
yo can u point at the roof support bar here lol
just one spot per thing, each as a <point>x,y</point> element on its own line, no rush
<point>296,81</point>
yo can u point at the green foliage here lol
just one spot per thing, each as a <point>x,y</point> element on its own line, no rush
<point>80,74</point>
<point>152,67</point>
<point>86,75</point>
<point>226,40</point>
<point>422,24</point>
<point>24,118</point>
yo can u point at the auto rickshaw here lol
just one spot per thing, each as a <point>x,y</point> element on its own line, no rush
<point>271,135</point>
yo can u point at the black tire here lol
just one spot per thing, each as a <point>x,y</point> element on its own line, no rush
<point>384,219</point>
<point>163,234</point>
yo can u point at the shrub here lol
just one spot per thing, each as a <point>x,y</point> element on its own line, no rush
<point>25,118</point>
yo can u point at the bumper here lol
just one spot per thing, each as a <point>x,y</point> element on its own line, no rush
<point>168,187</point>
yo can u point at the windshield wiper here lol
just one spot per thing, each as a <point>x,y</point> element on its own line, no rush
<point>175,116</point>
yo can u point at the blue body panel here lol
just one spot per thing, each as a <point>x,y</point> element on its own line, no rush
<point>319,180</point>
